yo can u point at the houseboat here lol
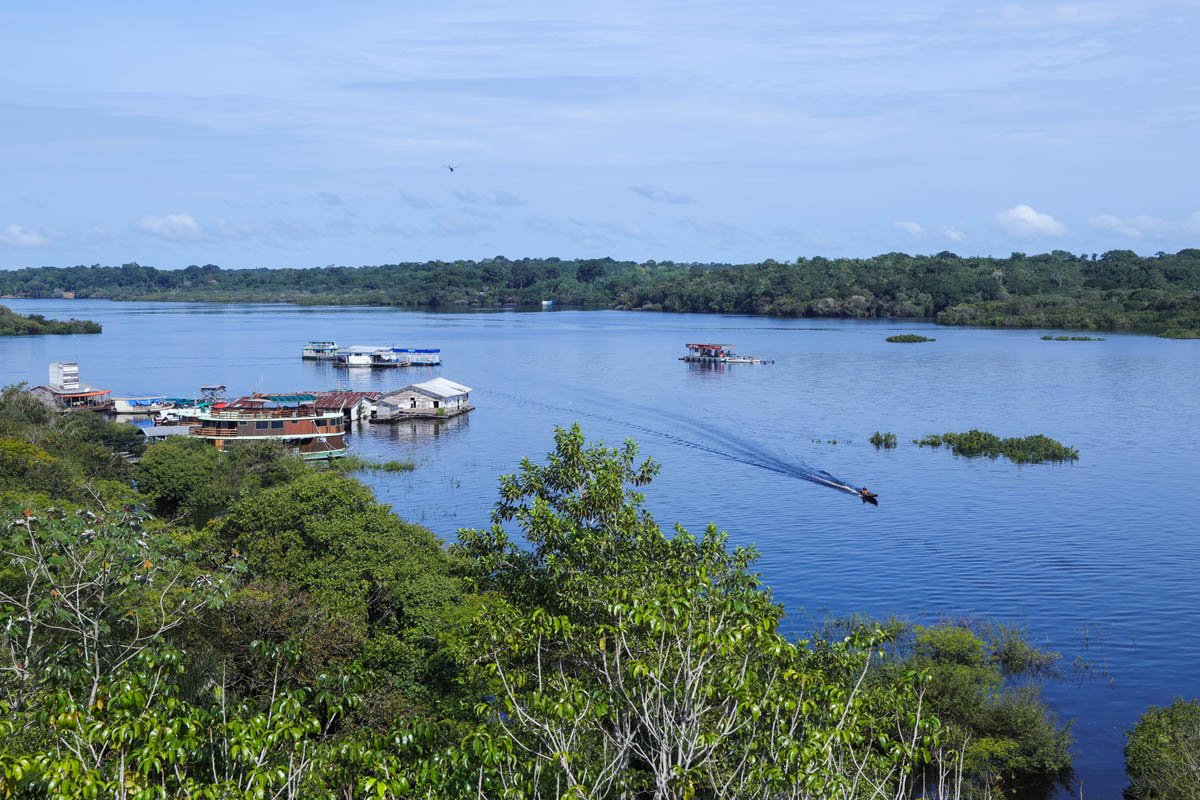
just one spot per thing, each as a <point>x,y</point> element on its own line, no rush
<point>64,392</point>
<point>718,354</point>
<point>434,399</point>
<point>319,351</point>
<point>291,419</point>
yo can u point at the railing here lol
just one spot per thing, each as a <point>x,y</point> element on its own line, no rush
<point>267,413</point>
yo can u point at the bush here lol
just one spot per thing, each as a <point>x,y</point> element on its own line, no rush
<point>909,338</point>
<point>1162,753</point>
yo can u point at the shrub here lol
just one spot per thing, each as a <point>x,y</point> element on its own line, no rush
<point>1162,753</point>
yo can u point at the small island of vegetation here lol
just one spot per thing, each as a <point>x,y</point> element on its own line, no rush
<point>1049,338</point>
<point>883,440</point>
<point>909,338</point>
<point>1022,450</point>
<point>14,324</point>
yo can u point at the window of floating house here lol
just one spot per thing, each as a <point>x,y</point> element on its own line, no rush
<point>276,424</point>
<point>412,402</point>
<point>260,426</point>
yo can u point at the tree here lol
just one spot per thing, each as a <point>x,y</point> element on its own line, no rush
<point>626,662</point>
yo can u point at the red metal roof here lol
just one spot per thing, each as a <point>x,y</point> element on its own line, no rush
<point>338,400</point>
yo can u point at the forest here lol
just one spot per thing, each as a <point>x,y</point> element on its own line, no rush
<point>186,622</point>
<point>1116,290</point>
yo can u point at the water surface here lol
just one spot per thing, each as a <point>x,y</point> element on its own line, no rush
<point>1097,558</point>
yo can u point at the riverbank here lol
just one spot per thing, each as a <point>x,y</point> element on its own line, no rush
<point>1118,290</point>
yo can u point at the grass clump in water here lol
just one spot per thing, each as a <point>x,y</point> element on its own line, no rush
<point>1180,333</point>
<point>1021,449</point>
<point>883,440</point>
<point>359,464</point>
<point>909,338</point>
<point>1049,338</point>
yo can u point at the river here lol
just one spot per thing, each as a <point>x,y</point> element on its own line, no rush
<point>1098,558</point>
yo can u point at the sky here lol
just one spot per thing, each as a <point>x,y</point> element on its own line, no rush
<point>302,134</point>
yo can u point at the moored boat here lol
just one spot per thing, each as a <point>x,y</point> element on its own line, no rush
<point>141,405</point>
<point>291,419</point>
<point>319,351</point>
<point>718,354</point>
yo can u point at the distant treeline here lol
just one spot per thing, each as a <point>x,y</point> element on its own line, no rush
<point>1116,290</point>
<point>14,324</point>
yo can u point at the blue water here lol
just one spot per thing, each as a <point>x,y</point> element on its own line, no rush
<point>1097,558</point>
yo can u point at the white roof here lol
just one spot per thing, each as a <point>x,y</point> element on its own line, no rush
<point>439,387</point>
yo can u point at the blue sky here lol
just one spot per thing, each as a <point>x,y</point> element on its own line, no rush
<point>304,134</point>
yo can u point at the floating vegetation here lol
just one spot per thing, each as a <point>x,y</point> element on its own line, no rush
<point>1072,338</point>
<point>909,338</point>
<point>883,440</point>
<point>359,464</point>
<point>1022,450</point>
<point>1180,333</point>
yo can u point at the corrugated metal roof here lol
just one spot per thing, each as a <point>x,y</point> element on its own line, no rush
<point>442,387</point>
<point>343,399</point>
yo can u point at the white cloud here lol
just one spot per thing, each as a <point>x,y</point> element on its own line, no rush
<point>910,227</point>
<point>17,236</point>
<point>658,194</point>
<point>1023,220</point>
<point>176,227</point>
<point>954,234</point>
<point>1108,222</point>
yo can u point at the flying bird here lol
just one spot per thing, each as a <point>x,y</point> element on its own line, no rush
<point>453,167</point>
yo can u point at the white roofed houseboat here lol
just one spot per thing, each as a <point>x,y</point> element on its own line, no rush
<point>291,419</point>
<point>319,351</point>
<point>434,399</point>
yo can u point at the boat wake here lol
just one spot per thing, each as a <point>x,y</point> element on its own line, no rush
<point>720,443</point>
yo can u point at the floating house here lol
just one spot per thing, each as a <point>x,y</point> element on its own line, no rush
<point>372,356</point>
<point>65,393</point>
<point>351,405</point>
<point>433,399</point>
<point>291,419</point>
<point>319,351</point>
<point>718,354</point>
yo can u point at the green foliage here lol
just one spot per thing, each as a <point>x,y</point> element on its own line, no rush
<point>883,440</point>
<point>981,688</point>
<point>909,338</point>
<point>76,457</point>
<point>1181,333</point>
<point>625,661</point>
<point>1162,753</point>
<point>190,479</point>
<point>1049,338</point>
<point>387,582</point>
<point>1119,290</point>
<point>13,324</point>
<point>1022,450</point>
